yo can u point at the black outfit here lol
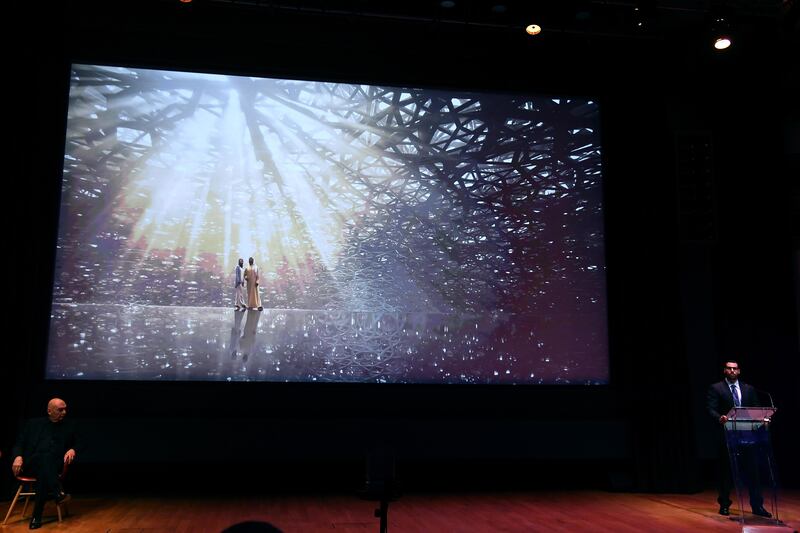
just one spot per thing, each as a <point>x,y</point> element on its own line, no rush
<point>719,402</point>
<point>42,445</point>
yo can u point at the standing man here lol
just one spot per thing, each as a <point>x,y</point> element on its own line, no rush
<point>722,397</point>
<point>252,277</point>
<point>238,291</point>
<point>42,449</point>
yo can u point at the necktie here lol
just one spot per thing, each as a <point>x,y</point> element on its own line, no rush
<point>736,401</point>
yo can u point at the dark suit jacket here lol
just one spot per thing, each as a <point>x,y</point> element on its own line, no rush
<point>720,399</point>
<point>40,437</point>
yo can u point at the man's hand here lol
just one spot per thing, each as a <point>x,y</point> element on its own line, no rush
<point>723,419</point>
<point>16,467</point>
<point>69,456</point>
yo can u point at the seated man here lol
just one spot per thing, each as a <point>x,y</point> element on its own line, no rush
<point>42,449</point>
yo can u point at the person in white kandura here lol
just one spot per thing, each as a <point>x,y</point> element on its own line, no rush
<point>239,301</point>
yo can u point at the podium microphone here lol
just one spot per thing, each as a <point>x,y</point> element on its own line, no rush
<point>771,403</point>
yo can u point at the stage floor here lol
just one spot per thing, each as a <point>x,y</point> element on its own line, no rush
<point>590,511</point>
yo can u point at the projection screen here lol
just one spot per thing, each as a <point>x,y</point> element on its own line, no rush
<point>398,234</point>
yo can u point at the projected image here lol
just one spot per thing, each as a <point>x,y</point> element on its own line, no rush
<point>386,234</point>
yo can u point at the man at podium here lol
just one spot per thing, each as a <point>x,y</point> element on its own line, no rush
<point>722,397</point>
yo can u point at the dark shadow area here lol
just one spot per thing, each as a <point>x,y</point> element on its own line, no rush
<point>698,268</point>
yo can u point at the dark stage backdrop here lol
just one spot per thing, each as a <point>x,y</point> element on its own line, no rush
<point>659,343</point>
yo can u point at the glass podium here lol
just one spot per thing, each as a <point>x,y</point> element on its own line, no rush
<point>753,469</point>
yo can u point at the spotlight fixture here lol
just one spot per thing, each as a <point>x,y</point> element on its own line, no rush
<point>533,29</point>
<point>638,18</point>
<point>722,42</point>
<point>185,1</point>
<point>720,33</point>
<point>644,14</point>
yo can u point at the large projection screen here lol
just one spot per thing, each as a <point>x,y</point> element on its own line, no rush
<point>399,234</point>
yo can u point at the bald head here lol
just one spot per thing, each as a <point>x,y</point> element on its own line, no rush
<point>56,409</point>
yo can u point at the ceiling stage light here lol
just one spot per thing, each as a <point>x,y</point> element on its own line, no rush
<point>720,33</point>
<point>722,42</point>
<point>533,29</point>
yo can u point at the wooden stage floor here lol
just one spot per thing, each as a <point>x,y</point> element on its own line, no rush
<point>563,511</point>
